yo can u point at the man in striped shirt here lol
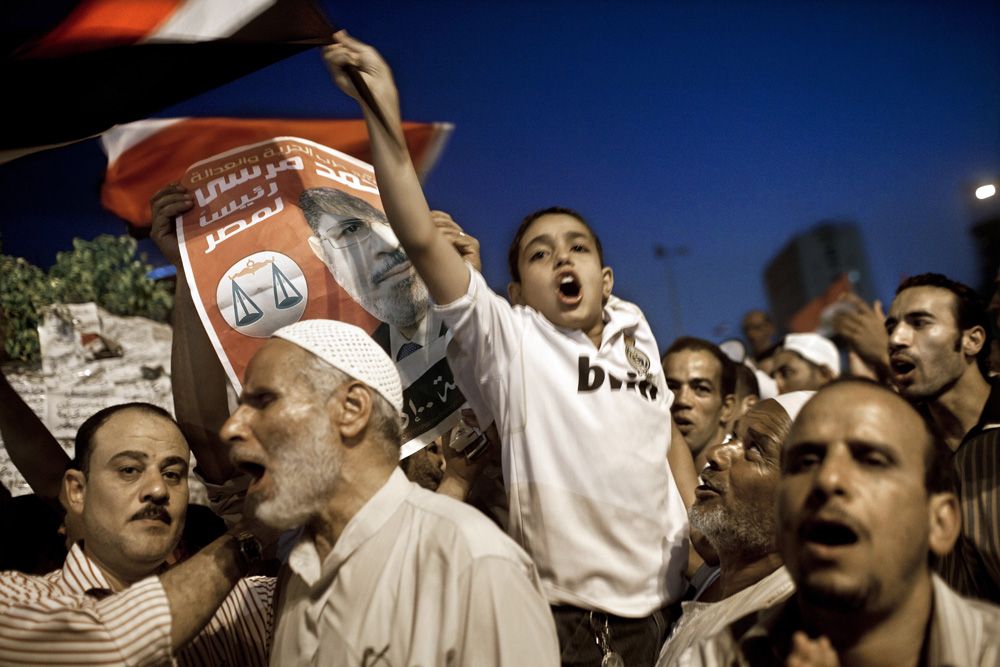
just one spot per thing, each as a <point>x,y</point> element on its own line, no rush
<point>113,601</point>
<point>938,350</point>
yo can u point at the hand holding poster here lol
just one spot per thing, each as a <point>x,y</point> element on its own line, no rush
<point>287,229</point>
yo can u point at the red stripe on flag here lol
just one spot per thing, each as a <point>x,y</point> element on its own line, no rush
<point>135,175</point>
<point>99,24</point>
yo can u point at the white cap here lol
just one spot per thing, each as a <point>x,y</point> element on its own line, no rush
<point>793,401</point>
<point>350,350</point>
<point>814,348</point>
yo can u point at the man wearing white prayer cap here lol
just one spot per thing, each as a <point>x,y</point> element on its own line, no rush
<point>735,511</point>
<point>805,361</point>
<point>384,572</point>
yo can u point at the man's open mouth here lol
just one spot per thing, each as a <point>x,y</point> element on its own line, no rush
<point>829,533</point>
<point>255,470</point>
<point>683,424</point>
<point>901,366</point>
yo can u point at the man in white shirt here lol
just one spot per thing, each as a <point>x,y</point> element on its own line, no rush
<point>384,570</point>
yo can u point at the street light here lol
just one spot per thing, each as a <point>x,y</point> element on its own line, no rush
<point>986,191</point>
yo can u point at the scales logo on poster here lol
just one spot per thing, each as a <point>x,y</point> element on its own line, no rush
<point>262,293</point>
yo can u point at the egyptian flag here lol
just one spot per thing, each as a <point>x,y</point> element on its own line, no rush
<point>74,68</point>
<point>146,155</point>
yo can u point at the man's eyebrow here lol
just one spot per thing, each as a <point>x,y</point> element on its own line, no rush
<point>130,454</point>
<point>172,461</point>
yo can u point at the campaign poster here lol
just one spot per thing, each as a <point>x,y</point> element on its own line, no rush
<point>287,229</point>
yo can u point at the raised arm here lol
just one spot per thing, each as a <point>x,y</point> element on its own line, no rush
<point>197,376</point>
<point>433,256</point>
<point>32,448</point>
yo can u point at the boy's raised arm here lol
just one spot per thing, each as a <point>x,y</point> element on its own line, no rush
<point>433,256</point>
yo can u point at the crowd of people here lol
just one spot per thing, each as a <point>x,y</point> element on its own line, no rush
<point>799,504</point>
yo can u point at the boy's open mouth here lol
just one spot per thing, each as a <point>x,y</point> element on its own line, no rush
<point>569,288</point>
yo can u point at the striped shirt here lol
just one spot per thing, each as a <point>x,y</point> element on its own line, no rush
<point>973,568</point>
<point>72,617</point>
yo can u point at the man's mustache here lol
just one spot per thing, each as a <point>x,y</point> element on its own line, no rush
<point>394,259</point>
<point>153,512</point>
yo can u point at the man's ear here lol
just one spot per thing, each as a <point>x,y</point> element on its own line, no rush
<point>728,408</point>
<point>514,294</point>
<point>973,340</point>
<point>317,248</point>
<point>74,485</point>
<point>356,403</point>
<point>608,279</point>
<point>944,522</point>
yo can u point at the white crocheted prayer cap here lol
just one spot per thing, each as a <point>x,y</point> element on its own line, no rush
<point>793,401</point>
<point>815,348</point>
<point>349,349</point>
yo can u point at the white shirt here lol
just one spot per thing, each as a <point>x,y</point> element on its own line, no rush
<point>416,578</point>
<point>700,620</point>
<point>585,438</point>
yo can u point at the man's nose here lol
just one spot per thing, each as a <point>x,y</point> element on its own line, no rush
<point>382,240</point>
<point>833,473</point>
<point>682,396</point>
<point>900,337</point>
<point>720,456</point>
<point>154,488</point>
<point>235,427</point>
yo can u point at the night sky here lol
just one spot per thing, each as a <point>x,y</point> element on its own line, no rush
<point>719,127</point>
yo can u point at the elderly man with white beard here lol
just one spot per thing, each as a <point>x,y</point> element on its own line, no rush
<point>385,572</point>
<point>735,511</point>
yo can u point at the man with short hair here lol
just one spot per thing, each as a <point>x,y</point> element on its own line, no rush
<point>703,380</point>
<point>938,351</point>
<point>384,572</point>
<point>864,501</point>
<point>113,601</point>
<point>735,511</point>
<point>805,362</point>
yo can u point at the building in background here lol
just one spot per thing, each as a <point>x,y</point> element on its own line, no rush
<point>812,263</point>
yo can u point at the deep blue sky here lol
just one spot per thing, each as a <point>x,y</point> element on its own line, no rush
<point>724,127</point>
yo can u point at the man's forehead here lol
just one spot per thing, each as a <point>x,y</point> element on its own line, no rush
<point>938,301</point>
<point>693,364</point>
<point>138,431</point>
<point>767,418</point>
<point>275,359</point>
<point>858,412</point>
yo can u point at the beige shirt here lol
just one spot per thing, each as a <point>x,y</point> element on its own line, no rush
<point>416,578</point>
<point>962,632</point>
<point>700,620</point>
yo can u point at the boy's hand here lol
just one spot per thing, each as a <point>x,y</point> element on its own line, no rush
<point>169,202</point>
<point>467,246</point>
<point>347,51</point>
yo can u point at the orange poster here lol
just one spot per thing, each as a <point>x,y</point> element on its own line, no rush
<point>287,229</point>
